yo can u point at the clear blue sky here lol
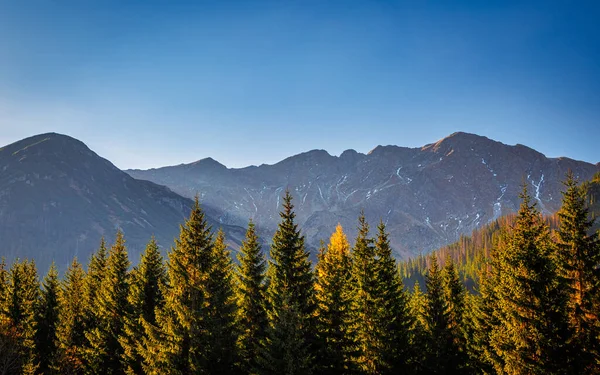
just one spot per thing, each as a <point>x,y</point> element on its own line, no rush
<point>153,83</point>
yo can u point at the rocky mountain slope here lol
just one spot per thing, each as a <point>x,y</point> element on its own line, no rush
<point>58,198</point>
<point>427,196</point>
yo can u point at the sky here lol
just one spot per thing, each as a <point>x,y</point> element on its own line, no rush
<point>154,83</point>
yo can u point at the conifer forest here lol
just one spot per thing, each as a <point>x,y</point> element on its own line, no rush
<point>521,296</point>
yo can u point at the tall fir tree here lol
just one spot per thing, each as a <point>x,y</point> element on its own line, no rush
<point>440,346</point>
<point>93,281</point>
<point>70,331</point>
<point>251,293</point>
<point>579,265</point>
<point>394,319</point>
<point>20,312</point>
<point>291,335</point>
<point>177,344</point>
<point>417,303</point>
<point>336,323</point>
<point>222,354</point>
<point>147,283</point>
<point>47,320</point>
<point>365,298</point>
<point>531,311</point>
<point>455,294</point>
<point>105,351</point>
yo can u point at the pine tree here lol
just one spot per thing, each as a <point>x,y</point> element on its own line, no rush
<point>105,352</point>
<point>579,261</point>
<point>291,299</point>
<point>93,281</point>
<point>177,344</point>
<point>47,320</point>
<point>252,314</point>
<point>222,355</point>
<point>365,298</point>
<point>335,318</point>
<point>148,280</point>
<point>455,295</point>
<point>531,308</point>
<point>417,303</point>
<point>437,323</point>
<point>393,310</point>
<point>70,331</point>
<point>19,313</point>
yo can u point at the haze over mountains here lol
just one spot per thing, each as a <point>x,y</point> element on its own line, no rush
<point>57,197</point>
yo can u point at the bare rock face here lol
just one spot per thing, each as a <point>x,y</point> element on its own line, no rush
<point>427,196</point>
<point>58,198</point>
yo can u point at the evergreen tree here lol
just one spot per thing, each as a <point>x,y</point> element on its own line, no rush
<point>70,331</point>
<point>393,311</point>
<point>19,313</point>
<point>222,355</point>
<point>579,261</point>
<point>47,320</point>
<point>252,314</point>
<point>148,281</point>
<point>93,281</point>
<point>417,303</point>
<point>440,348</point>
<point>105,352</point>
<point>177,344</point>
<point>335,319</point>
<point>291,298</point>
<point>365,298</point>
<point>455,295</point>
<point>532,327</point>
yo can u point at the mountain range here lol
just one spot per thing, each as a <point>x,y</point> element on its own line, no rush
<point>58,197</point>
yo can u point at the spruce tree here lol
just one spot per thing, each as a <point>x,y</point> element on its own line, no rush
<point>222,355</point>
<point>365,298</point>
<point>147,282</point>
<point>336,323</point>
<point>93,280</point>
<point>455,295</point>
<point>291,335</point>
<point>252,315</point>
<point>70,331</point>
<point>579,261</point>
<point>105,351</point>
<point>47,320</point>
<point>20,312</point>
<point>177,344</point>
<point>531,308</point>
<point>417,303</point>
<point>440,346</point>
<point>394,319</point>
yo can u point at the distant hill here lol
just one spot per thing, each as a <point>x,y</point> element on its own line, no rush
<point>58,198</point>
<point>427,196</point>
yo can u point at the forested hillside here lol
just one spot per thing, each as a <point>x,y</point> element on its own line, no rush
<point>535,310</point>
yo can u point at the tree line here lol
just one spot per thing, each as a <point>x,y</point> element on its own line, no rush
<point>534,309</point>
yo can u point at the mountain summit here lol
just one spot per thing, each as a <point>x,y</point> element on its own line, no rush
<point>427,196</point>
<point>58,198</point>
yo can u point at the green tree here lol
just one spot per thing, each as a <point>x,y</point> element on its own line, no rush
<point>93,281</point>
<point>531,308</point>
<point>222,354</point>
<point>291,300</point>
<point>47,320</point>
<point>440,346</point>
<point>70,331</point>
<point>335,319</point>
<point>177,344</point>
<point>105,351</point>
<point>147,282</point>
<point>455,295</point>
<point>19,313</point>
<point>365,298</point>
<point>579,261</point>
<point>252,313</point>
<point>394,319</point>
